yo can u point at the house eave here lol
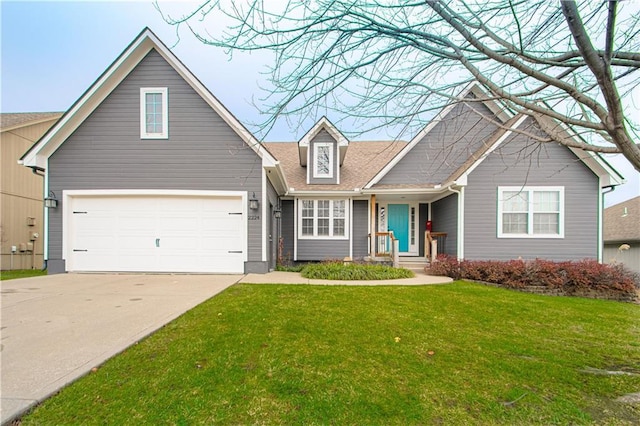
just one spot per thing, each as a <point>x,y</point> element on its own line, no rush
<point>109,80</point>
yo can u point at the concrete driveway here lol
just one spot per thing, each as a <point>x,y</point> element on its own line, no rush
<point>57,328</point>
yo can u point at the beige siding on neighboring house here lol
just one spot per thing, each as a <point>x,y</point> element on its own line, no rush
<point>21,191</point>
<point>621,234</point>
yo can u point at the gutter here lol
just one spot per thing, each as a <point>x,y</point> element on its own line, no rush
<point>460,236</point>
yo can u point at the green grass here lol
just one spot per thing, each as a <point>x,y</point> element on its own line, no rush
<point>21,273</point>
<point>353,271</point>
<point>455,354</point>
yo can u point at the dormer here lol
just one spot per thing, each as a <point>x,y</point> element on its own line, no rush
<point>322,150</point>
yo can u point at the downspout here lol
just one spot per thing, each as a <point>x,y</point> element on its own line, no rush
<point>460,236</point>
<point>607,189</point>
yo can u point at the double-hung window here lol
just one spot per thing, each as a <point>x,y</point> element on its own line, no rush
<point>154,113</point>
<point>323,163</point>
<point>322,219</point>
<point>531,212</point>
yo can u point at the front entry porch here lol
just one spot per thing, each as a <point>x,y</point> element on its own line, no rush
<point>405,220</point>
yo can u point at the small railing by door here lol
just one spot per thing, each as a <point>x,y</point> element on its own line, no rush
<point>434,244</point>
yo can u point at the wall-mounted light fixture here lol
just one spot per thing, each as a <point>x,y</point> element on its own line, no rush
<point>277,213</point>
<point>51,202</point>
<point>253,202</point>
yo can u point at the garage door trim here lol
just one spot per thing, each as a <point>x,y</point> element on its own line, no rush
<point>69,195</point>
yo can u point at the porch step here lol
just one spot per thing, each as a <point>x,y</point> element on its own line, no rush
<point>414,263</point>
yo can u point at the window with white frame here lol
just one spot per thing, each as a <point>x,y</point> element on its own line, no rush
<point>531,212</point>
<point>154,113</point>
<point>322,219</point>
<point>323,160</point>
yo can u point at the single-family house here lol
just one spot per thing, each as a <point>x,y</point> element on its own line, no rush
<point>152,173</point>
<point>622,234</point>
<point>21,199</point>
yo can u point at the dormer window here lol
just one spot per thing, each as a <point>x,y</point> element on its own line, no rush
<point>323,164</point>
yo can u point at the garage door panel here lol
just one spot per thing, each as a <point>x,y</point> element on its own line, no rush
<point>158,234</point>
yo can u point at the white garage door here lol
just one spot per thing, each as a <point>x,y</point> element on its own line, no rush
<point>156,234</point>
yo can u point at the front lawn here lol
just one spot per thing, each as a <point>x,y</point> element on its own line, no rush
<point>452,354</point>
<point>21,273</point>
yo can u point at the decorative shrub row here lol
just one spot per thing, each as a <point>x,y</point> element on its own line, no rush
<point>585,278</point>
<point>336,270</point>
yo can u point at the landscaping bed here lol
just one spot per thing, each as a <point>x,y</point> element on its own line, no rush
<point>586,278</point>
<point>347,271</point>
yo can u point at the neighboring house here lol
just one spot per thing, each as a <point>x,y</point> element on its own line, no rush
<point>622,234</point>
<point>21,191</point>
<point>152,173</point>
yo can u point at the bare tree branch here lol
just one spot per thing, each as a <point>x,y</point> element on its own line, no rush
<point>384,63</point>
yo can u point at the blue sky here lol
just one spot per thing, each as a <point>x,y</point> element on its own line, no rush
<point>53,51</point>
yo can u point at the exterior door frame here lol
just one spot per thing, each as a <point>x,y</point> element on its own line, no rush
<point>412,220</point>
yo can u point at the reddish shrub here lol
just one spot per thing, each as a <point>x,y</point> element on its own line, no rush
<point>584,277</point>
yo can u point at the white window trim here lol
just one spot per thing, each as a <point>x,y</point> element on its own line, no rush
<point>315,235</point>
<point>164,92</point>
<point>530,212</point>
<point>316,174</point>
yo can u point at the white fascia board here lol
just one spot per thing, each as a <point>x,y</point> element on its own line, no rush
<point>109,80</point>
<point>495,106</point>
<point>213,102</point>
<point>401,191</point>
<point>326,194</point>
<point>493,147</point>
<point>85,105</point>
<point>417,138</point>
<point>323,123</point>
<point>607,174</point>
<point>277,178</point>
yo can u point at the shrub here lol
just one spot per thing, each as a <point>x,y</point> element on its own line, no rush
<point>336,270</point>
<point>585,277</point>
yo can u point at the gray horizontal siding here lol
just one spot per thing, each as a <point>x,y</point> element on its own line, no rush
<point>521,162</point>
<point>444,216</point>
<point>322,249</point>
<point>202,152</point>
<point>360,229</point>
<point>423,216</point>
<point>441,151</point>
<point>287,223</point>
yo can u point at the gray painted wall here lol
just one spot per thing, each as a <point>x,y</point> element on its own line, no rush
<point>445,147</point>
<point>519,162</point>
<point>423,216</point>
<point>322,249</point>
<point>106,152</point>
<point>323,137</point>
<point>287,223</point>
<point>360,229</point>
<point>444,215</point>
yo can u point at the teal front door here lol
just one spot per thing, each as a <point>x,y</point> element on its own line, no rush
<point>399,224</point>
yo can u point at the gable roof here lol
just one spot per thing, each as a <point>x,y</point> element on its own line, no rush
<point>621,222</point>
<point>13,120</point>
<point>132,55</point>
<point>327,125</point>
<point>470,92</point>
<point>363,161</point>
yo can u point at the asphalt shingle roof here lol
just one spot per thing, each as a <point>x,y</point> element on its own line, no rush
<point>621,227</point>
<point>362,162</point>
<point>13,119</point>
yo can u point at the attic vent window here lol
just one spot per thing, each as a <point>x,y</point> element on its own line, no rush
<point>154,113</point>
<point>323,164</point>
